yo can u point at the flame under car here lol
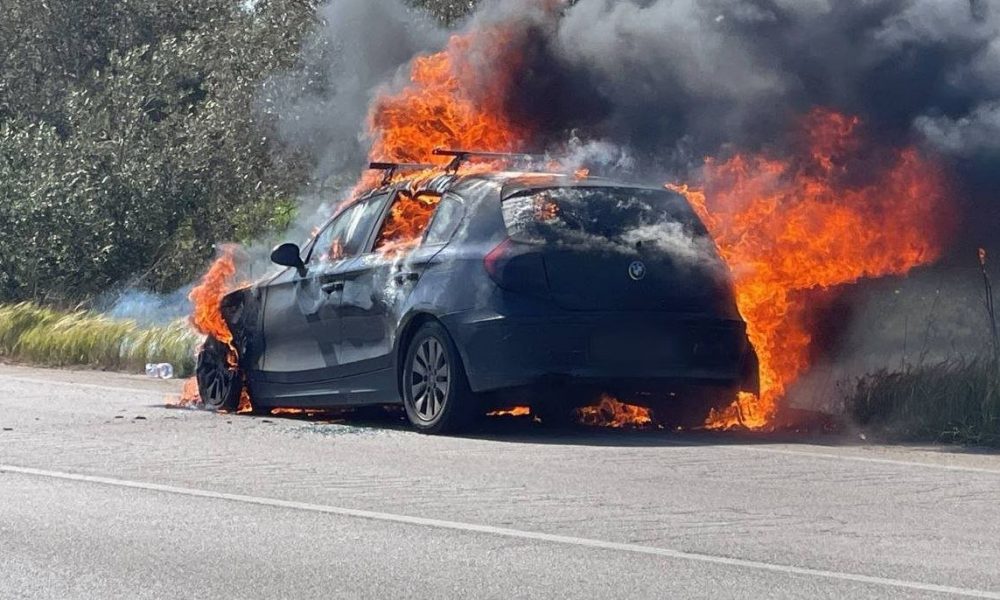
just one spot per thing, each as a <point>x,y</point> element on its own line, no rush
<point>453,294</point>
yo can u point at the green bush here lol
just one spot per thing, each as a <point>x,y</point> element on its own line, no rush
<point>130,141</point>
<point>133,138</point>
<point>45,336</point>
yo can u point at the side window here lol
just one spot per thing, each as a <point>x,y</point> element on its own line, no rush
<point>329,246</point>
<point>446,221</point>
<point>406,221</point>
<point>346,235</point>
<point>363,224</point>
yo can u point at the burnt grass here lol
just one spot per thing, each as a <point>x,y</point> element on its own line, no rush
<point>956,401</point>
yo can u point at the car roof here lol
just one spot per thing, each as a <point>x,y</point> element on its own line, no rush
<point>509,183</point>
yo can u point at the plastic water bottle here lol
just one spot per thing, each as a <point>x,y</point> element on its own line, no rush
<point>165,370</point>
<point>160,370</point>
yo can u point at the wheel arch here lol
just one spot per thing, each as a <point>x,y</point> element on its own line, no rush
<point>409,327</point>
<point>241,311</point>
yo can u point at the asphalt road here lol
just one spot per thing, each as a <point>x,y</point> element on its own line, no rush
<point>105,493</point>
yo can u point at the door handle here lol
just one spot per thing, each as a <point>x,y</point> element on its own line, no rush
<point>402,278</point>
<point>333,286</point>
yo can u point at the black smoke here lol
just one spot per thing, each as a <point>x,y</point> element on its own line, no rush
<point>674,81</point>
<point>669,82</point>
<point>357,48</point>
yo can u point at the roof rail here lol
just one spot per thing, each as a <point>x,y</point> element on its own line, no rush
<point>461,156</point>
<point>391,168</point>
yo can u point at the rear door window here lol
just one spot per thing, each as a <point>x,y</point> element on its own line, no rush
<point>446,221</point>
<point>364,222</point>
<point>406,221</point>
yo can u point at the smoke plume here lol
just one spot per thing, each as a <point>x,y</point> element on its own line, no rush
<point>672,81</point>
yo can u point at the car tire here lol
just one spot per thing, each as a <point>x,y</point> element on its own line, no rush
<point>219,384</point>
<point>435,389</point>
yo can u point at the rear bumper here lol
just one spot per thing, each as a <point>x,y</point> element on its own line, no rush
<point>615,350</point>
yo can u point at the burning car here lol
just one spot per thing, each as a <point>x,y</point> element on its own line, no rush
<point>450,293</point>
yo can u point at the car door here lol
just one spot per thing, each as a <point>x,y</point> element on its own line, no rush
<point>356,293</point>
<point>377,284</point>
<point>299,319</point>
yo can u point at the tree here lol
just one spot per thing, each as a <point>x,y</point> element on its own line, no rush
<point>142,146</point>
<point>131,140</point>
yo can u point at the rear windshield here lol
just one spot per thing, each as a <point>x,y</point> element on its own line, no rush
<point>610,216</point>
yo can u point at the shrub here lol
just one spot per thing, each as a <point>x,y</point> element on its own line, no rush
<point>956,401</point>
<point>45,336</point>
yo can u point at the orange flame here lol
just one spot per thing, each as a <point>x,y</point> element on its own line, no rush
<point>207,297</point>
<point>823,219</point>
<point>610,412</point>
<point>189,396</point>
<point>447,103</point>
<point>405,224</point>
<point>545,209</point>
<point>516,411</point>
<point>206,317</point>
<point>244,405</point>
<point>295,411</point>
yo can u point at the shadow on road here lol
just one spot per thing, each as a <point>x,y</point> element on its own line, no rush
<point>525,430</point>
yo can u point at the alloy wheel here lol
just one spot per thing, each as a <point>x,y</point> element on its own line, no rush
<point>219,384</point>
<point>430,379</point>
<point>216,380</point>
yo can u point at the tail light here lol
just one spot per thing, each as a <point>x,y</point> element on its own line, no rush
<point>517,266</point>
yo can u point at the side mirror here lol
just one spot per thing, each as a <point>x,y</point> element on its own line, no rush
<point>289,255</point>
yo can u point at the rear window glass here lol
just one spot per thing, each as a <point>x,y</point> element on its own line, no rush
<point>605,216</point>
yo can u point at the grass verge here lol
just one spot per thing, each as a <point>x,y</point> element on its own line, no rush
<point>44,336</point>
<point>956,401</point>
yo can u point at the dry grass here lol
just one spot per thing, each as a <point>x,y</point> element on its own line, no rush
<point>44,336</point>
<point>956,401</point>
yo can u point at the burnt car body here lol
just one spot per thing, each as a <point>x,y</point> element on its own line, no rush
<point>519,287</point>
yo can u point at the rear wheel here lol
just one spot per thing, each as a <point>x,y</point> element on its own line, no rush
<point>436,392</point>
<point>219,384</point>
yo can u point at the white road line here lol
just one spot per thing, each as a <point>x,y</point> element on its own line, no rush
<point>510,533</point>
<point>92,386</point>
<point>869,459</point>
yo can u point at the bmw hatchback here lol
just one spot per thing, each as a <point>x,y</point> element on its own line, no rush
<point>454,294</point>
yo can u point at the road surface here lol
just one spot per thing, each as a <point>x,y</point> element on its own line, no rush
<point>105,493</point>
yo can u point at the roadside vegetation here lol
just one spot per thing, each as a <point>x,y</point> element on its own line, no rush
<point>956,401</point>
<point>951,401</point>
<point>44,336</point>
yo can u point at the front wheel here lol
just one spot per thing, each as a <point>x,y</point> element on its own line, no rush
<point>436,392</point>
<point>219,384</point>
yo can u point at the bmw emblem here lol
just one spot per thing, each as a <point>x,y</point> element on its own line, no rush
<point>637,270</point>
